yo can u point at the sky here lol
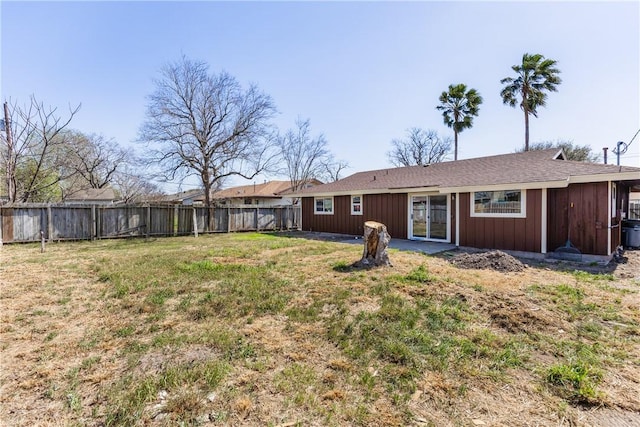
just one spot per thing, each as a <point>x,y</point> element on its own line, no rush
<point>362,72</point>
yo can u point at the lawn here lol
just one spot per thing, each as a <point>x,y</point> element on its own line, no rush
<point>276,330</point>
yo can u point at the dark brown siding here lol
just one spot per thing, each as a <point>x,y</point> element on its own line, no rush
<point>389,209</point>
<point>583,208</point>
<point>516,234</point>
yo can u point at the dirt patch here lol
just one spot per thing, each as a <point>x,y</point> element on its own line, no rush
<point>492,260</point>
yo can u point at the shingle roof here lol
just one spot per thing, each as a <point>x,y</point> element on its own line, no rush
<point>101,194</point>
<point>538,166</point>
<point>179,197</point>
<point>271,189</point>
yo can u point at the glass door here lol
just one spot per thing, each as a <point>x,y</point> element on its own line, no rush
<point>419,217</point>
<point>429,216</point>
<point>438,217</point>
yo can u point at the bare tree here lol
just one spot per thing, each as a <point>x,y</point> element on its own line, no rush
<point>206,125</point>
<point>35,150</point>
<point>333,169</point>
<point>95,159</point>
<point>420,147</point>
<point>579,153</point>
<point>132,187</point>
<point>305,157</point>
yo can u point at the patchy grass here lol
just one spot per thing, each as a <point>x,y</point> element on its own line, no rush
<point>267,329</point>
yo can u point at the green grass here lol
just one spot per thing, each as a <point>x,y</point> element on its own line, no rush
<point>249,315</point>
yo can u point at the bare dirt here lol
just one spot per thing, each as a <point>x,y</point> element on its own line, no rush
<point>493,260</point>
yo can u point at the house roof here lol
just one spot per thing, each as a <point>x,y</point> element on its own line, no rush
<point>270,189</point>
<point>196,194</point>
<point>532,169</point>
<point>97,194</point>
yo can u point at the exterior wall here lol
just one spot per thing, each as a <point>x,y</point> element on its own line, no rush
<point>516,234</point>
<point>585,208</point>
<point>389,209</point>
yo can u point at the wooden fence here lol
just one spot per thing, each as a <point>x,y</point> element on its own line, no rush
<point>32,222</point>
<point>634,209</point>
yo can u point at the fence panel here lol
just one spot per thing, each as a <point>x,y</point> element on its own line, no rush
<point>121,221</point>
<point>23,223</point>
<point>634,209</point>
<point>70,223</point>
<point>162,221</point>
<point>185,220</point>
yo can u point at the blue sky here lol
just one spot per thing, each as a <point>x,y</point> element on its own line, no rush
<point>363,72</point>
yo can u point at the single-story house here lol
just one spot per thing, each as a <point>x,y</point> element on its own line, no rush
<point>268,194</point>
<point>91,196</point>
<point>531,202</point>
<point>187,198</point>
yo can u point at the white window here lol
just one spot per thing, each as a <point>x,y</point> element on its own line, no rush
<point>324,205</point>
<point>356,205</point>
<point>504,203</point>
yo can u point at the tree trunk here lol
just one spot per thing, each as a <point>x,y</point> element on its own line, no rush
<point>526,130</point>
<point>376,240</point>
<point>455,150</point>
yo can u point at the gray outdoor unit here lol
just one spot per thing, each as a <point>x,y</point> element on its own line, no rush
<point>631,234</point>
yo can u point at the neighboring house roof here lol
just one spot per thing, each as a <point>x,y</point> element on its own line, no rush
<point>183,195</point>
<point>531,169</point>
<point>92,194</point>
<point>270,189</point>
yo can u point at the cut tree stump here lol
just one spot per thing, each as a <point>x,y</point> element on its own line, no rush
<point>376,240</point>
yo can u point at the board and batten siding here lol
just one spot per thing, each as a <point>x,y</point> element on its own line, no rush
<point>515,234</point>
<point>585,208</point>
<point>389,209</point>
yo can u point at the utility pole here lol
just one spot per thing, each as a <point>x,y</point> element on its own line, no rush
<point>10,165</point>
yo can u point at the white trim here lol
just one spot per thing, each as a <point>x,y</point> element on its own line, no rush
<point>609,224</point>
<point>315,210</point>
<point>360,203</point>
<point>543,222</point>
<point>457,219</point>
<point>508,186</point>
<point>410,235</point>
<point>523,206</point>
<point>409,217</point>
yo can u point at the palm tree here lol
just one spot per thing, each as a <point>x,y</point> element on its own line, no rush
<point>535,76</point>
<point>459,106</point>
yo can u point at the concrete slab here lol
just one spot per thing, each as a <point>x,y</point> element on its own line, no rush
<point>405,245</point>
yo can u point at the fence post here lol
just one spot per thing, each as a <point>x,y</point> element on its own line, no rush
<point>257,219</point>
<point>148,225</point>
<point>1,226</point>
<point>98,222</point>
<point>175,220</point>
<point>49,223</point>
<point>195,223</point>
<point>93,222</point>
<point>228,219</point>
<point>41,241</point>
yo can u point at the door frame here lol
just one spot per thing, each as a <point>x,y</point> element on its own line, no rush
<point>410,235</point>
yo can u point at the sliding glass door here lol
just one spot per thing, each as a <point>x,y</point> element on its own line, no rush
<point>429,216</point>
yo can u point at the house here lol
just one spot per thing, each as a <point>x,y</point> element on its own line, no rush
<point>91,196</point>
<point>268,194</point>
<point>187,198</point>
<point>532,202</point>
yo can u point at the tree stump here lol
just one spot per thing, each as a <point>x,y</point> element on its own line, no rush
<point>376,240</point>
